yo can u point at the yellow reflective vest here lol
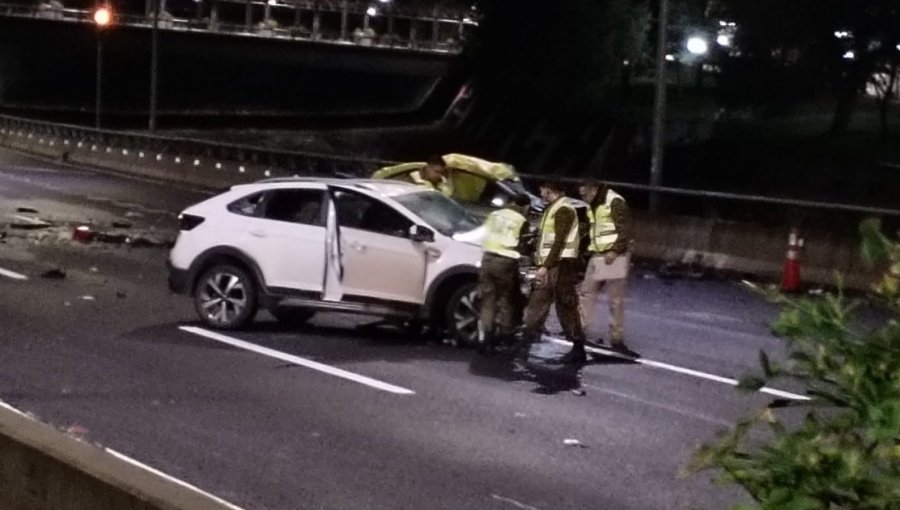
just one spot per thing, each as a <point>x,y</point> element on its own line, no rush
<point>502,229</point>
<point>444,186</point>
<point>548,233</point>
<point>603,229</point>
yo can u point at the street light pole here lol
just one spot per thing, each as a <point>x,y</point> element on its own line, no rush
<point>102,19</point>
<point>154,65</point>
<point>98,101</point>
<point>659,106</point>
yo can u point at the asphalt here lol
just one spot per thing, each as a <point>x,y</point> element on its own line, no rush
<point>101,352</point>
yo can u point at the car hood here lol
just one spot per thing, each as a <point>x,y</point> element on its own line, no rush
<point>473,237</point>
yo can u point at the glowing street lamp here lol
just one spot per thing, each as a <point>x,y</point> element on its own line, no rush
<point>724,40</point>
<point>697,46</point>
<point>103,17</point>
<point>371,11</point>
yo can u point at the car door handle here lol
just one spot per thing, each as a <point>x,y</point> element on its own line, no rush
<point>431,252</point>
<point>258,233</point>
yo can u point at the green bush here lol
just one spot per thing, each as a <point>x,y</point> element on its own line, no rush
<point>845,452</point>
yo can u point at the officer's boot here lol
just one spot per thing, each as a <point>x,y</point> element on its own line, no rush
<point>576,355</point>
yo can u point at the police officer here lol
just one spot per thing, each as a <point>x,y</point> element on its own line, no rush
<point>505,235</point>
<point>610,243</point>
<point>557,275</point>
<point>434,176</point>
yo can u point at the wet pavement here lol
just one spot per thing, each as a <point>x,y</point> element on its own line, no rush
<point>279,418</point>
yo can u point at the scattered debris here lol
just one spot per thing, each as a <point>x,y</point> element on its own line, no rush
<point>133,214</point>
<point>121,224</point>
<point>29,226</point>
<point>316,434</point>
<point>579,392</point>
<point>816,292</point>
<point>88,298</point>
<point>54,274</point>
<point>82,234</point>
<point>143,242</point>
<point>67,303</point>
<point>28,210</point>
<point>574,443</point>
<point>95,270</point>
<point>3,236</point>
<point>103,237</point>
<point>77,431</point>
<point>121,295</point>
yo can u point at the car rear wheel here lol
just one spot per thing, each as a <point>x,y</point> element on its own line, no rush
<point>225,297</point>
<point>463,315</point>
<point>292,316</point>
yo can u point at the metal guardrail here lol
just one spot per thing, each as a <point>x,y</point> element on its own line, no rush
<point>294,33</point>
<point>319,164</point>
<point>290,162</point>
<point>735,197</point>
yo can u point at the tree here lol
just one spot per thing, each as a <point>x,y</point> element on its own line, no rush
<point>802,33</point>
<point>558,54</point>
<point>845,452</point>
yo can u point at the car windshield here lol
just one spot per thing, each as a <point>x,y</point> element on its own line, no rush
<point>440,212</point>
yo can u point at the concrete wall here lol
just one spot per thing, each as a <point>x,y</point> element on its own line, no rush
<point>42,468</point>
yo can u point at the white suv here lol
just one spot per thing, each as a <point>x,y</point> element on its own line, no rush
<point>301,245</point>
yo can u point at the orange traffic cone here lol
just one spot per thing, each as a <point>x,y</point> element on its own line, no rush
<point>790,281</point>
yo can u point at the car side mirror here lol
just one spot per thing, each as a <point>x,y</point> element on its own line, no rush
<point>420,234</point>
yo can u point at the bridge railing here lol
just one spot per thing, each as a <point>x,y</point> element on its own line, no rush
<point>438,32</point>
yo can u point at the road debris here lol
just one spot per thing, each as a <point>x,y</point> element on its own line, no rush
<point>27,210</point>
<point>121,224</point>
<point>574,443</point>
<point>133,214</point>
<point>579,392</point>
<point>121,295</point>
<point>83,234</point>
<point>54,274</point>
<point>88,298</point>
<point>94,270</point>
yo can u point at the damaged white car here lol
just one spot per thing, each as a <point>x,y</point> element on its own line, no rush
<point>302,245</point>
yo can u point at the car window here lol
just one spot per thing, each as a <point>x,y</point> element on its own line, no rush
<point>250,205</point>
<point>439,212</point>
<point>302,206</point>
<point>355,210</point>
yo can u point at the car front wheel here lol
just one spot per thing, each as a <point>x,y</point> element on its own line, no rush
<point>463,315</point>
<point>225,297</point>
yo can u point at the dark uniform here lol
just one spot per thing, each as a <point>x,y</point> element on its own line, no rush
<point>498,282</point>
<point>558,253</point>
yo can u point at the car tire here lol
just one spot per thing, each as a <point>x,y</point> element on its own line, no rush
<point>292,316</point>
<point>462,319</point>
<point>225,297</point>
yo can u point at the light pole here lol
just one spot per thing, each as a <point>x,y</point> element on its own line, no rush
<point>659,106</point>
<point>102,19</point>
<point>154,65</point>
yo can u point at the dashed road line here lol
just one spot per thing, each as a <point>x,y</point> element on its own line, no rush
<point>12,274</point>
<point>685,371</point>
<point>297,360</point>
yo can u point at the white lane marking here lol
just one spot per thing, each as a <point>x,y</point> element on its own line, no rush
<point>303,362</point>
<point>660,405</point>
<point>140,465</point>
<point>172,479</point>
<point>513,502</point>
<point>12,274</point>
<point>685,371</point>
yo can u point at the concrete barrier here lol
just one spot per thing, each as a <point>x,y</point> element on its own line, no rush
<point>42,468</point>
<point>745,248</point>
